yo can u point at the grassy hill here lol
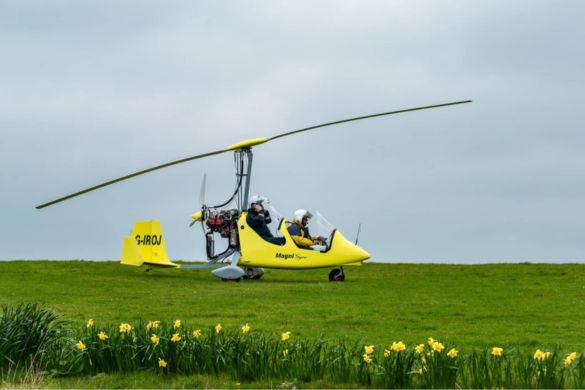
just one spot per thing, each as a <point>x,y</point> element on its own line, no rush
<point>526,305</point>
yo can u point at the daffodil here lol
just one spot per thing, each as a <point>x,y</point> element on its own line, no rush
<point>152,325</point>
<point>431,341</point>
<point>398,346</point>
<point>246,328</point>
<point>161,363</point>
<point>80,346</point>
<point>285,336</point>
<point>497,351</point>
<point>177,324</point>
<point>218,328</point>
<point>102,336</point>
<point>125,328</point>
<point>367,358</point>
<point>90,323</point>
<point>197,333</point>
<point>547,355</point>
<point>154,339</point>
<point>369,349</point>
<point>285,353</point>
<point>419,348</point>
<point>452,353</point>
<point>539,355</point>
<point>176,338</point>
<point>570,358</point>
<point>437,347</point>
<point>386,353</point>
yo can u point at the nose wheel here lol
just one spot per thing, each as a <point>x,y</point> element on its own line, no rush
<point>336,275</point>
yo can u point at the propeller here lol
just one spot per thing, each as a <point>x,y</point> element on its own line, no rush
<point>244,144</point>
<point>202,192</point>
<point>198,216</point>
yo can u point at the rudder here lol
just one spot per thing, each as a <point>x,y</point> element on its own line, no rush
<point>146,245</point>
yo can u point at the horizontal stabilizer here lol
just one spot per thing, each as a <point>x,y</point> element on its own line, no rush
<point>146,245</point>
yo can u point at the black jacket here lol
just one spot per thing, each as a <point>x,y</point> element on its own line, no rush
<point>259,222</point>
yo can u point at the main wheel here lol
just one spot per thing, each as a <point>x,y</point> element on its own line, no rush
<point>336,275</point>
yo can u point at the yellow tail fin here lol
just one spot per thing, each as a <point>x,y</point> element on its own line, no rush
<point>146,245</point>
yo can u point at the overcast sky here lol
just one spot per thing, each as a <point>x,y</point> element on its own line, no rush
<point>93,90</point>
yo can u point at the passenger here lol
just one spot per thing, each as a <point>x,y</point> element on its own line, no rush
<point>258,219</point>
<point>299,232</point>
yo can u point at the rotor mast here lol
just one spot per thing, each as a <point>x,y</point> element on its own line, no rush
<point>244,154</point>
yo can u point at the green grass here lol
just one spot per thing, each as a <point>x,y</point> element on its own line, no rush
<point>524,306</point>
<point>472,306</point>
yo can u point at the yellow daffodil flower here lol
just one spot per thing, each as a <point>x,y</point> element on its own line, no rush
<point>89,323</point>
<point>539,355</point>
<point>102,336</point>
<point>419,348</point>
<point>431,341</point>
<point>161,363</point>
<point>177,324</point>
<point>452,353</point>
<point>285,353</point>
<point>285,336</point>
<point>568,361</point>
<point>369,349</point>
<point>197,333</point>
<point>398,346</point>
<point>218,328</point>
<point>386,353</point>
<point>497,351</point>
<point>154,339</point>
<point>246,328</point>
<point>125,328</point>
<point>80,346</point>
<point>437,347</point>
<point>152,325</point>
<point>572,356</point>
<point>176,338</point>
<point>547,355</point>
<point>367,358</point>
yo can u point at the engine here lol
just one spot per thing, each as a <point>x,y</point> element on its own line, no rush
<point>224,223</point>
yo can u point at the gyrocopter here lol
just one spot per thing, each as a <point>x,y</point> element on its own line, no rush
<point>246,253</point>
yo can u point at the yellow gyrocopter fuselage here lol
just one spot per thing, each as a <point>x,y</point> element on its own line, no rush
<point>256,252</point>
<point>146,246</point>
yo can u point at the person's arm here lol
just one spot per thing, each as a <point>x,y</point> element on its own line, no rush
<point>302,241</point>
<point>267,218</point>
<point>255,219</point>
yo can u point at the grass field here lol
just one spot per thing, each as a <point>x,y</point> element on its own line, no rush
<point>525,305</point>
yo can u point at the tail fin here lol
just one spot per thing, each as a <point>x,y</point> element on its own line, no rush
<point>146,245</point>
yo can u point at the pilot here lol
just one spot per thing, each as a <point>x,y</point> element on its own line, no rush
<point>258,219</point>
<point>299,232</point>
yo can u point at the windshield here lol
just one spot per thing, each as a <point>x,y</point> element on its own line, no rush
<point>276,217</point>
<point>320,226</point>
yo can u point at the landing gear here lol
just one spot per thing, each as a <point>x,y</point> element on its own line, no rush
<point>336,275</point>
<point>253,273</point>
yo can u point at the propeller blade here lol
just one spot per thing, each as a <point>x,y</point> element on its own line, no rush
<point>202,193</point>
<point>364,117</point>
<point>85,191</point>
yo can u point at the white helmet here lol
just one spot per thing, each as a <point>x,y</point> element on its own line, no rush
<point>300,214</point>
<point>257,199</point>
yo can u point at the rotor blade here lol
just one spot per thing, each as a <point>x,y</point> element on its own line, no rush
<point>202,193</point>
<point>365,117</point>
<point>131,176</point>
